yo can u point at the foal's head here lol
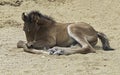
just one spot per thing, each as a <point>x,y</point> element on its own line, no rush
<point>35,20</point>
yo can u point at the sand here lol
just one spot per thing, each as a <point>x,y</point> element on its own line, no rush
<point>103,15</point>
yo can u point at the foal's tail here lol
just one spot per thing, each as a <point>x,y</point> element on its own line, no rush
<point>104,40</point>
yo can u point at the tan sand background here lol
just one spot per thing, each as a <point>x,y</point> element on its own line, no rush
<point>103,15</point>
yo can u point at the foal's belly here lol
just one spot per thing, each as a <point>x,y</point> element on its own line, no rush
<point>67,43</point>
<point>62,37</point>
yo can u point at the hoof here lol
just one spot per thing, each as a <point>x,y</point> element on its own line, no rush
<point>55,51</point>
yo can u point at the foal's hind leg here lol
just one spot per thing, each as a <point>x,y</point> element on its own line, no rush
<point>79,37</point>
<point>86,48</point>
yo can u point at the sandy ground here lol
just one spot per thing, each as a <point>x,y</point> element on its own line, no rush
<point>103,15</point>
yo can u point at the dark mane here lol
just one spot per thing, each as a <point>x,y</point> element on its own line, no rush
<point>42,18</point>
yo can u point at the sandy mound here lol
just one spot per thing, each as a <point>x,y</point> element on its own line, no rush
<point>103,15</point>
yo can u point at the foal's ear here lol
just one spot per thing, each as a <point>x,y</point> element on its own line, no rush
<point>24,16</point>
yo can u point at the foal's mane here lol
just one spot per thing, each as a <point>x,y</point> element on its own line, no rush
<point>43,19</point>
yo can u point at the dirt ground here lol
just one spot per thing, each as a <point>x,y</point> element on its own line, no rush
<point>103,15</point>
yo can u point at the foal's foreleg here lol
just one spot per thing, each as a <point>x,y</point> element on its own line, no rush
<point>22,44</point>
